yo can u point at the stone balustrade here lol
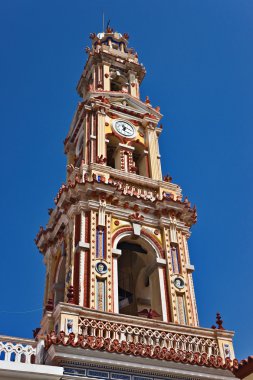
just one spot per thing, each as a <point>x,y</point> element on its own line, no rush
<point>165,338</point>
<point>119,175</point>
<point>82,327</point>
<point>17,349</point>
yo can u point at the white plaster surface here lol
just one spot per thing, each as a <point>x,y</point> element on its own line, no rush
<point>11,370</point>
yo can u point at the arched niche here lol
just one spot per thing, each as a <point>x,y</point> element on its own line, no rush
<point>138,277</point>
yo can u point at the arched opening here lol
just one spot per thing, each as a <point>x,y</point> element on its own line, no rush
<point>111,153</point>
<point>140,159</point>
<point>119,80</point>
<point>59,285</point>
<point>138,279</point>
<point>23,358</point>
<point>79,151</point>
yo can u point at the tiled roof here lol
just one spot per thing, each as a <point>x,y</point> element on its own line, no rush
<point>245,368</point>
<point>138,349</point>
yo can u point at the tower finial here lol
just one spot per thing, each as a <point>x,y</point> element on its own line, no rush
<point>108,28</point>
<point>219,321</point>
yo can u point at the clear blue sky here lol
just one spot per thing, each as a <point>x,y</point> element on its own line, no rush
<point>199,60</point>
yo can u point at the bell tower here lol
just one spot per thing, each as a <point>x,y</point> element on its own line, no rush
<point>115,247</point>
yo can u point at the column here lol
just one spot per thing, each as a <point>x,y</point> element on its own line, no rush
<point>164,297</point>
<point>101,134</point>
<point>83,247</point>
<point>107,80</point>
<point>116,254</point>
<point>132,84</point>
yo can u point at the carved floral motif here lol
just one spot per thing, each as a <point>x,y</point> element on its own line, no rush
<point>136,216</point>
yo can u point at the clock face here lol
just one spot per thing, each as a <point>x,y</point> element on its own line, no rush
<point>124,128</point>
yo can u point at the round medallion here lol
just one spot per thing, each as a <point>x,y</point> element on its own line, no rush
<point>101,267</point>
<point>124,128</point>
<point>179,283</point>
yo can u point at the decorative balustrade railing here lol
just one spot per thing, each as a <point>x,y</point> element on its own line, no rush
<point>17,349</point>
<point>117,175</point>
<point>148,336</point>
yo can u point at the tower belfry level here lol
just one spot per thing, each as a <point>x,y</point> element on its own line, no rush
<point>119,292</point>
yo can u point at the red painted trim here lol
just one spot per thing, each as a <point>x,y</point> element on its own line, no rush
<point>86,284</point>
<point>88,140</point>
<point>105,239</point>
<point>165,278</point>
<point>154,240</point>
<point>121,231</point>
<point>76,277</point>
<point>140,349</point>
<point>87,227</point>
<point>77,228</point>
<point>147,165</point>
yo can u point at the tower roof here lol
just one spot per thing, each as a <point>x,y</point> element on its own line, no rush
<point>109,36</point>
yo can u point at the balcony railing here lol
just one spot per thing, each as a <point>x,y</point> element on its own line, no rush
<point>144,331</point>
<point>17,349</point>
<point>137,336</point>
<point>130,178</point>
<point>148,336</point>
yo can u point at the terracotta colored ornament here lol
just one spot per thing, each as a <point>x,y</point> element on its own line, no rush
<point>167,178</point>
<point>109,30</point>
<point>151,314</point>
<point>70,295</point>
<point>116,222</point>
<point>219,322</point>
<point>136,216</point>
<point>49,305</point>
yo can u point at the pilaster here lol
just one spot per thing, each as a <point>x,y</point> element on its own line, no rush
<point>101,134</point>
<point>154,157</point>
<point>107,84</point>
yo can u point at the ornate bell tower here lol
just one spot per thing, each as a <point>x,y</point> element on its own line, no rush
<point>115,247</point>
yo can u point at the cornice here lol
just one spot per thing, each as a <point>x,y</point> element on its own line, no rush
<point>123,95</point>
<point>120,199</point>
<point>69,356</point>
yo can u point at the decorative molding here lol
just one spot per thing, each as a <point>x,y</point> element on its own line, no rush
<point>146,350</point>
